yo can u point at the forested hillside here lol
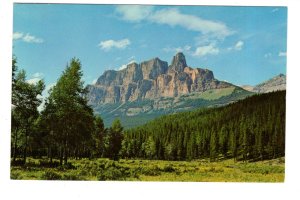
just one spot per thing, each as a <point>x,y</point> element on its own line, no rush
<point>251,129</point>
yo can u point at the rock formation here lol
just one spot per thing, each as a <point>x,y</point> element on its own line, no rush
<point>274,84</point>
<point>151,80</point>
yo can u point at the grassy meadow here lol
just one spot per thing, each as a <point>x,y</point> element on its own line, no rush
<point>152,170</point>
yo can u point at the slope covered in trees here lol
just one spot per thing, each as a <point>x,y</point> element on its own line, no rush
<point>251,129</point>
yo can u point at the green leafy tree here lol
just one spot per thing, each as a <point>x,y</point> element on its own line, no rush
<point>98,137</point>
<point>71,120</point>
<point>115,139</point>
<point>25,102</point>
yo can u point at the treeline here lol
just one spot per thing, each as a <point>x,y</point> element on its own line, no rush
<point>250,129</point>
<point>66,126</point>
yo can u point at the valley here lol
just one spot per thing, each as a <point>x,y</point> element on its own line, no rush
<point>144,91</point>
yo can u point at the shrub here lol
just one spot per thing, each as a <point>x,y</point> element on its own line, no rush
<point>17,162</point>
<point>72,176</point>
<point>51,175</point>
<point>168,168</point>
<point>148,171</point>
<point>46,163</point>
<point>262,169</point>
<point>110,174</point>
<point>15,175</point>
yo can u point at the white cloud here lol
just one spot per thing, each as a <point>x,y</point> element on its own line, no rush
<point>35,78</point>
<point>134,13</point>
<point>274,10</point>
<point>210,49</point>
<point>125,66</point>
<point>282,54</point>
<point>174,17</point>
<point>131,58</point>
<point>210,31</point>
<point>94,81</point>
<point>49,86</point>
<point>122,67</point>
<point>17,35</point>
<point>268,55</point>
<point>109,44</point>
<point>33,81</point>
<point>185,49</point>
<point>27,37</point>
<point>132,61</point>
<point>38,75</point>
<point>32,39</point>
<point>239,45</point>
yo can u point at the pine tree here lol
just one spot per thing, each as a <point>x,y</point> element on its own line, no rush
<point>115,139</point>
<point>98,137</point>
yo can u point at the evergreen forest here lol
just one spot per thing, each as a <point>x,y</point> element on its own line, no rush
<point>66,128</point>
<point>250,129</point>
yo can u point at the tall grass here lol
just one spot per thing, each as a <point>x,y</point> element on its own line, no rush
<point>152,170</point>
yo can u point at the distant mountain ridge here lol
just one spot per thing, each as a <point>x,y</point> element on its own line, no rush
<point>274,84</point>
<point>144,91</point>
<point>152,79</point>
<point>277,83</point>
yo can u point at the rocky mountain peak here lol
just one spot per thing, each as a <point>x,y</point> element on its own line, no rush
<point>276,83</point>
<point>152,79</point>
<point>178,62</point>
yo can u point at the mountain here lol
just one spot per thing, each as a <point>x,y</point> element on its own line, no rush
<point>273,84</point>
<point>151,80</point>
<point>248,87</point>
<point>152,88</point>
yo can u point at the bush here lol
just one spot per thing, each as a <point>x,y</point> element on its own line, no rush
<point>262,169</point>
<point>46,163</point>
<point>72,176</point>
<point>168,168</point>
<point>113,174</point>
<point>51,175</point>
<point>17,162</point>
<point>148,171</point>
<point>15,175</point>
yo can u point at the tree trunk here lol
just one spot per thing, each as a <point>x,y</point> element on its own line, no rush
<point>25,148</point>
<point>15,145</point>
<point>50,154</point>
<point>66,152</point>
<point>60,156</point>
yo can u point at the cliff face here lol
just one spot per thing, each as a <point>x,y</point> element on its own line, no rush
<point>151,80</point>
<point>274,84</point>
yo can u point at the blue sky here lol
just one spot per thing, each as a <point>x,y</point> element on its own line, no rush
<point>242,45</point>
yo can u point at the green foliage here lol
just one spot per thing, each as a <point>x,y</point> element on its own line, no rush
<point>250,129</point>
<point>51,175</point>
<point>67,119</point>
<point>98,137</point>
<point>115,137</point>
<point>25,101</point>
<point>155,170</point>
